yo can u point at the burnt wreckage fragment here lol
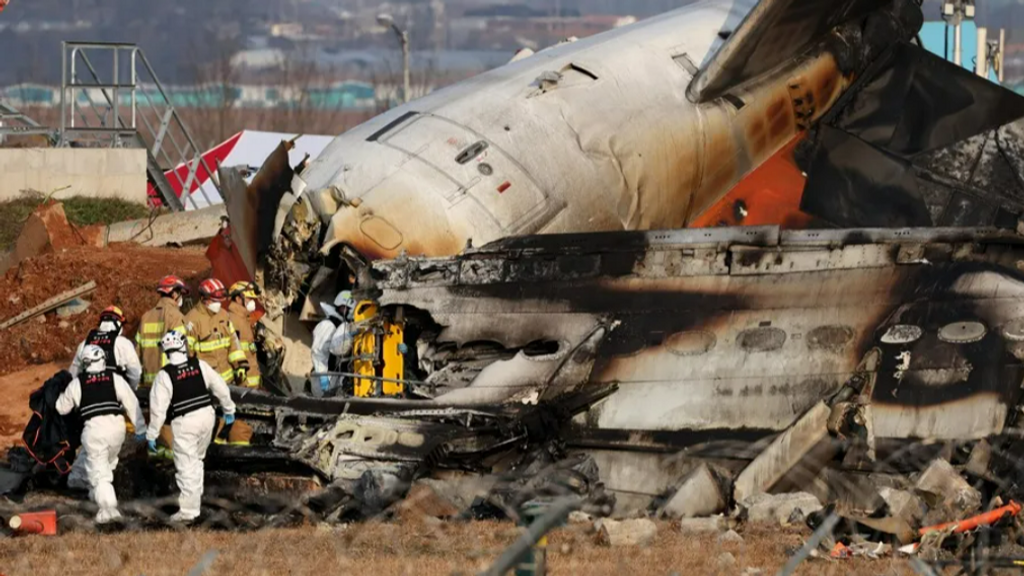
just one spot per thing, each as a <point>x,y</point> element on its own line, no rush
<point>785,353</point>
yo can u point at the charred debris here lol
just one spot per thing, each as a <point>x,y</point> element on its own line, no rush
<point>707,376</point>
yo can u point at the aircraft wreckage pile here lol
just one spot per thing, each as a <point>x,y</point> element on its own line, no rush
<point>871,373</point>
<point>878,338</point>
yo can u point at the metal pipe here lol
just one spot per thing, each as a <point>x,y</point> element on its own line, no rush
<point>74,80</point>
<point>956,44</point>
<point>361,376</point>
<point>135,81</point>
<point>1002,53</point>
<point>555,515</point>
<point>115,104</point>
<point>406,73</point>
<point>981,59</point>
<point>63,91</point>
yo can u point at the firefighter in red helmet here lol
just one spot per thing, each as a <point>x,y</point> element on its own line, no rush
<point>163,318</point>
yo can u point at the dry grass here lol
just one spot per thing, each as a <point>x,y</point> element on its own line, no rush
<point>409,548</point>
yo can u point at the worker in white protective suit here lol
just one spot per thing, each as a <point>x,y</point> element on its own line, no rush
<point>121,358</point>
<point>181,393</point>
<point>332,342</point>
<point>101,396</point>
<point>120,351</point>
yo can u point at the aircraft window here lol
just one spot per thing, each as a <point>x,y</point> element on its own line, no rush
<point>684,61</point>
<point>962,332</point>
<point>690,343</point>
<point>762,339</point>
<point>471,152</point>
<point>1014,330</point>
<point>829,338</point>
<point>901,334</point>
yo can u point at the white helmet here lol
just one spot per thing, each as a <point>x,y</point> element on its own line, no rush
<point>344,298</point>
<point>94,358</point>
<point>173,341</point>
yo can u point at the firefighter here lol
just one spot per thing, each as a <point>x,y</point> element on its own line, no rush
<point>182,394</point>
<point>211,335</point>
<point>332,341</point>
<point>163,318</point>
<point>243,304</point>
<point>101,396</point>
<point>120,357</point>
<point>212,338</point>
<point>120,353</point>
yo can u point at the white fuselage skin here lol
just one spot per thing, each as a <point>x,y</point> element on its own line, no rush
<point>593,135</point>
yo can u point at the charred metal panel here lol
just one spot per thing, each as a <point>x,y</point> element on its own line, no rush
<point>696,349</point>
<point>753,261</point>
<point>920,142</point>
<point>772,33</point>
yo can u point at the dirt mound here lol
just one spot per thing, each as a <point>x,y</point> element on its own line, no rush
<point>125,276</point>
<point>14,390</point>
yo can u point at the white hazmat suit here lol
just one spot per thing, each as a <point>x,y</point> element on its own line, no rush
<point>333,336</point>
<point>128,360</point>
<point>193,431</point>
<point>102,435</point>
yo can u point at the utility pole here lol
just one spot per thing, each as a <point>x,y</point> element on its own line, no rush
<point>954,12</point>
<point>388,21</point>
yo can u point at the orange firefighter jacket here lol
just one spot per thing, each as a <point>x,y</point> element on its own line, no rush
<point>212,338</point>
<point>247,339</point>
<point>163,318</point>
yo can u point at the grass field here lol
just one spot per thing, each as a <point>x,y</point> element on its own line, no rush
<point>81,211</point>
<point>410,547</point>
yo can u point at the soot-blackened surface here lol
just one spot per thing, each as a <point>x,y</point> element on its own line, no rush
<point>931,302</point>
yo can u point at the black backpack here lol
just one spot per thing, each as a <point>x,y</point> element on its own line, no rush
<point>52,439</point>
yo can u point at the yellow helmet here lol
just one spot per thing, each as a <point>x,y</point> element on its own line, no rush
<point>246,289</point>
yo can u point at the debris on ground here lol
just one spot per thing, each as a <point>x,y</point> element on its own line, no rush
<point>73,308</point>
<point>946,492</point>
<point>636,532</point>
<point>730,537</point>
<point>779,508</point>
<point>710,524</point>
<point>52,304</point>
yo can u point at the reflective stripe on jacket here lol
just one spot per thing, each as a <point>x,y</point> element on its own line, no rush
<point>212,338</point>
<point>163,318</point>
<point>246,339</point>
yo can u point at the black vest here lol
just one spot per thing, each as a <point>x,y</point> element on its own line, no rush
<point>105,340</point>
<point>189,388</point>
<point>99,397</point>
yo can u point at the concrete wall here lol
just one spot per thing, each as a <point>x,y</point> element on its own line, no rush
<point>95,172</point>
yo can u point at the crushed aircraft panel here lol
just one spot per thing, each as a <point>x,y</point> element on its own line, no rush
<point>730,328</point>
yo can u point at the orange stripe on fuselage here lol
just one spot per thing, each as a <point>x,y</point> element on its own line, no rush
<point>769,195</point>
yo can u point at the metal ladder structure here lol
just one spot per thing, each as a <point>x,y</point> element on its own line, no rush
<point>14,123</point>
<point>127,107</point>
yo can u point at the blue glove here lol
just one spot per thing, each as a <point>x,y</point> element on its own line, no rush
<point>229,419</point>
<point>403,348</point>
<point>140,436</point>
<point>152,446</point>
<point>325,383</point>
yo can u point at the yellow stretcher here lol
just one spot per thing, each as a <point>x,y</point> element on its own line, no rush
<point>375,348</point>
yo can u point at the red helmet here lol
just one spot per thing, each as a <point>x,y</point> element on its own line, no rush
<point>113,313</point>
<point>168,284</point>
<point>213,289</point>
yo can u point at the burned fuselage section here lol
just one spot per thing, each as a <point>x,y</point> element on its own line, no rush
<point>725,329</point>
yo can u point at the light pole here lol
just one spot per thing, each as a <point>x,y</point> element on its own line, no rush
<point>403,36</point>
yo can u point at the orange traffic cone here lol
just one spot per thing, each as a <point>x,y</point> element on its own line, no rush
<point>44,523</point>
